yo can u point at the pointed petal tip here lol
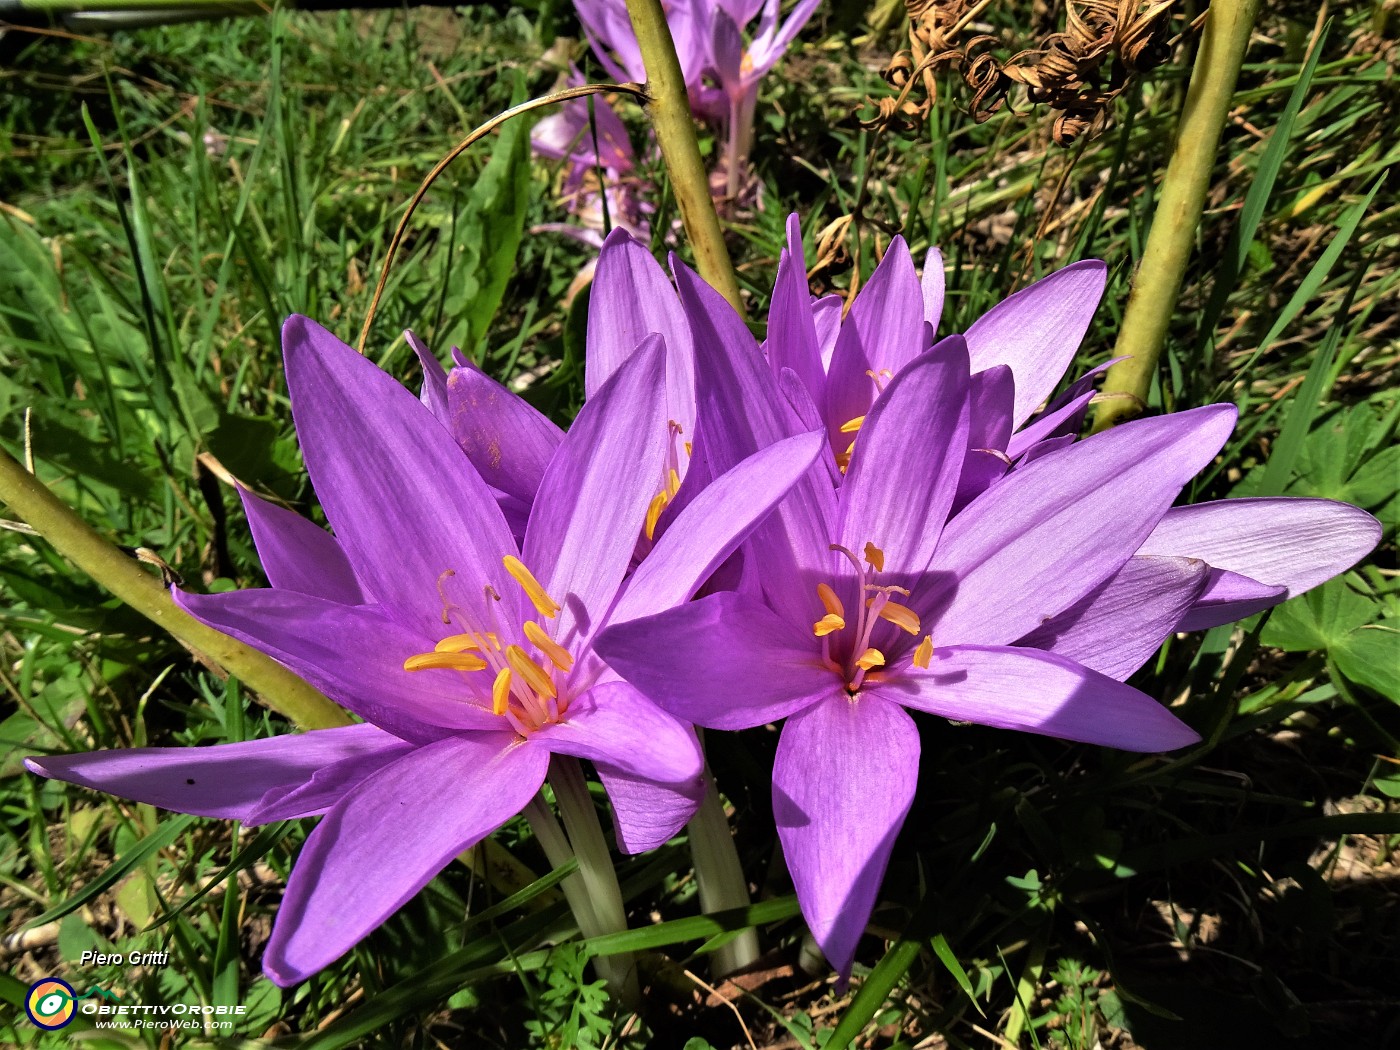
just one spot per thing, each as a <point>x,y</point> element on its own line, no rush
<point>618,236</point>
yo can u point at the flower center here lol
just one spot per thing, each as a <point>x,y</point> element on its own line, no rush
<point>672,482</point>
<point>862,658</point>
<point>526,688</point>
<point>852,426</point>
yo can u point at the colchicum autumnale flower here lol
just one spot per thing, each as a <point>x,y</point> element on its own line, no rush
<point>598,179</point>
<point>721,70</point>
<point>469,655</point>
<point>862,597</point>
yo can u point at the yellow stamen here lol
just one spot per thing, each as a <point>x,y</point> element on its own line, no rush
<point>533,674</point>
<point>673,484</point>
<point>871,658</point>
<point>903,617</point>
<point>500,691</point>
<point>558,655</point>
<point>654,509</point>
<point>830,602</point>
<point>852,425</point>
<point>843,459</point>
<point>457,643</point>
<point>543,603</point>
<point>924,653</point>
<point>689,449</point>
<point>875,556</point>
<point>450,661</point>
<point>828,624</point>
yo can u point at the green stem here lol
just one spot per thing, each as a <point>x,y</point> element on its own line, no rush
<point>556,848</point>
<point>1026,988</point>
<point>719,877</point>
<point>31,501</point>
<point>741,111</point>
<point>1179,206</point>
<point>669,112</point>
<point>599,877</point>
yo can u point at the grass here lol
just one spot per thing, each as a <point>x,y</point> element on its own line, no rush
<point>170,194</point>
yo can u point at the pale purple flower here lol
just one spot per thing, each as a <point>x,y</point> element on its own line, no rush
<point>738,67</point>
<point>1019,350</point>
<point>721,69</point>
<point>510,442</point>
<point>469,655</point>
<point>594,177</point>
<point>608,28</point>
<point>862,599</point>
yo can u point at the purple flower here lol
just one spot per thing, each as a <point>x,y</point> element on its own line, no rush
<point>709,38</point>
<point>1018,350</point>
<point>593,177</point>
<point>470,656</point>
<point>862,597</point>
<point>738,67</point>
<point>608,28</point>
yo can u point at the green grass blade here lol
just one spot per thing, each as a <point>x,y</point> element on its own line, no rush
<point>1228,270</point>
<point>1346,228</point>
<point>157,840</point>
<point>874,991</point>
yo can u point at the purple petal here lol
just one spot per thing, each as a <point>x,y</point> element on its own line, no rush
<point>379,462</point>
<point>739,412</point>
<point>726,51</point>
<point>1229,597</point>
<point>296,555</point>
<point>991,395</point>
<point>1054,423</point>
<point>931,285</point>
<point>648,815</point>
<point>907,460</point>
<point>1047,534</point>
<point>614,724</point>
<point>767,49</point>
<point>508,440</point>
<point>981,469</point>
<point>1041,449</point>
<point>1119,625</point>
<point>1283,542</point>
<point>1037,331</point>
<point>843,781</point>
<point>723,662</point>
<point>1084,383</point>
<point>632,299</point>
<point>709,529</point>
<point>799,399</point>
<point>792,331</point>
<point>883,332</point>
<point>327,786</point>
<point>226,780</point>
<point>1037,692</point>
<point>434,392</point>
<point>826,316</point>
<point>354,655</point>
<point>386,839</point>
<point>608,29</point>
<point>593,500</point>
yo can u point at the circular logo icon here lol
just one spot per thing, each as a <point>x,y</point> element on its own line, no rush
<point>50,1003</point>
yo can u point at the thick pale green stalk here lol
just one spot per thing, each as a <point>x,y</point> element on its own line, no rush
<point>32,502</point>
<point>719,878</point>
<point>595,866</point>
<point>1179,205</point>
<point>556,848</point>
<point>668,109</point>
